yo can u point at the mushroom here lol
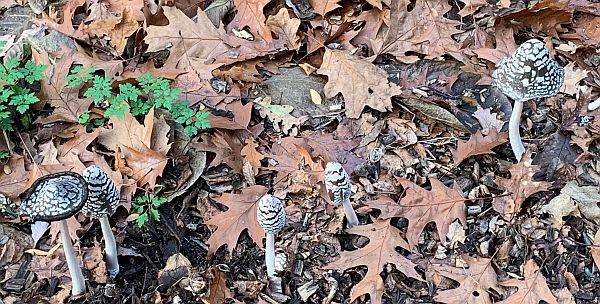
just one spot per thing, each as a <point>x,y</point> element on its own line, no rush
<point>102,200</point>
<point>56,197</point>
<point>528,73</point>
<point>337,184</point>
<point>270,214</point>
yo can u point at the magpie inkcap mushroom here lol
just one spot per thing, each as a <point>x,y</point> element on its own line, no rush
<point>103,197</point>
<point>56,197</point>
<point>337,183</point>
<point>270,214</point>
<point>529,73</point>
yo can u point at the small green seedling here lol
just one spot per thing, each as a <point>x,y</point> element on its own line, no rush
<point>146,207</point>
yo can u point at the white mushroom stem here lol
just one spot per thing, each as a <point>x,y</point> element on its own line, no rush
<point>110,247</point>
<point>350,214</point>
<point>513,130</point>
<point>77,279</point>
<point>270,254</point>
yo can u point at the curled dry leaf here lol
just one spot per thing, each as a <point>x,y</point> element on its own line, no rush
<point>286,28</point>
<point>478,144</point>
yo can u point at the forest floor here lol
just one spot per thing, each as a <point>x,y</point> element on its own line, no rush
<point>196,109</point>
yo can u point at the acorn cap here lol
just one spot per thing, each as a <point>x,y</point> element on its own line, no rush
<point>103,195</point>
<point>337,183</point>
<point>529,73</point>
<point>270,214</point>
<point>55,197</point>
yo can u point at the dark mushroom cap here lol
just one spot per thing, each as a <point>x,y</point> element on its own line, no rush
<point>270,214</point>
<point>55,197</point>
<point>529,73</point>
<point>337,183</point>
<point>103,195</point>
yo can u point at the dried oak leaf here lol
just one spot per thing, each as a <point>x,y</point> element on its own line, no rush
<point>323,7</point>
<point>381,250</point>
<point>471,6</point>
<point>360,82</point>
<point>250,13</point>
<point>532,289</point>
<point>286,28</point>
<point>474,282</point>
<point>218,291</point>
<point>478,144</point>
<point>544,16</point>
<point>572,78</point>
<point>240,215</point>
<point>14,183</point>
<point>143,147</point>
<point>424,29</point>
<point>187,39</point>
<point>441,205</point>
<point>521,185</point>
<point>116,27</point>
<point>251,155</point>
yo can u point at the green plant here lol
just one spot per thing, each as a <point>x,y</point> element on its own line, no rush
<point>4,154</point>
<point>138,99</point>
<point>146,207</point>
<point>13,92</point>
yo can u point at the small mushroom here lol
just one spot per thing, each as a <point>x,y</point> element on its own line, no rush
<point>528,73</point>
<point>102,200</point>
<point>337,183</point>
<point>271,216</point>
<point>56,197</point>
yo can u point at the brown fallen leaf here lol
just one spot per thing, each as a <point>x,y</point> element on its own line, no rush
<point>251,155</point>
<point>532,289</point>
<point>478,144</point>
<point>240,215</point>
<point>474,282</point>
<point>381,250</point>
<point>286,28</point>
<point>218,291</point>
<point>250,14</point>
<point>323,7</point>
<point>471,6</point>
<point>14,183</point>
<point>521,185</point>
<point>360,82</point>
<point>441,205</point>
<point>572,78</point>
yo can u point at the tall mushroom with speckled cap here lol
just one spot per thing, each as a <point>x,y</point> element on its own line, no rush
<point>56,197</point>
<point>102,200</point>
<point>528,73</point>
<point>270,214</point>
<point>337,183</point>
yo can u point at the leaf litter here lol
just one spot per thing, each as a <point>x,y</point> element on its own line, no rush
<point>398,92</point>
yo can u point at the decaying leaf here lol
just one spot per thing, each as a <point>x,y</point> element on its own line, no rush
<point>240,215</point>
<point>572,78</point>
<point>441,205</point>
<point>360,82</point>
<point>381,250</point>
<point>478,144</point>
<point>251,155</point>
<point>286,28</point>
<point>520,186</point>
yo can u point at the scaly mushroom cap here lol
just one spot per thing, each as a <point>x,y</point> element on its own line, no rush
<point>528,73</point>
<point>337,183</point>
<point>103,195</point>
<point>270,214</point>
<point>55,197</point>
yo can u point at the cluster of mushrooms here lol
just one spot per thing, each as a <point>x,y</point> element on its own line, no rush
<point>270,212</point>
<point>58,196</point>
